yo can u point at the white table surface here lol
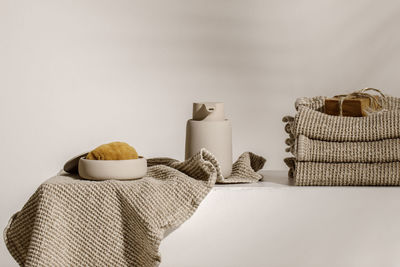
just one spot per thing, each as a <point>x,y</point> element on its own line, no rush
<point>273,223</point>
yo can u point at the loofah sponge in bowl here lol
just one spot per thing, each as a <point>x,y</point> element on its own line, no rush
<point>113,151</point>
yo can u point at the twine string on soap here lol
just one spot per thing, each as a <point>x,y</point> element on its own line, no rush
<point>379,103</point>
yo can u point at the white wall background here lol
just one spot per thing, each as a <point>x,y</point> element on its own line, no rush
<point>76,74</point>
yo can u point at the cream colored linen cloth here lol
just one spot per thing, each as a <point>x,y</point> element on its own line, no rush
<point>73,222</point>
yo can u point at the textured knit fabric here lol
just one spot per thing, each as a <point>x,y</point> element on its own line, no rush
<point>344,174</point>
<point>306,149</point>
<point>334,150</point>
<point>313,123</point>
<point>74,222</point>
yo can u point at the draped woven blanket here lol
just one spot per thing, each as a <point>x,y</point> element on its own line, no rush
<point>334,150</point>
<point>74,222</point>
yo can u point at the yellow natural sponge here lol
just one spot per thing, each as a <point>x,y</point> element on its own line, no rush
<point>113,151</point>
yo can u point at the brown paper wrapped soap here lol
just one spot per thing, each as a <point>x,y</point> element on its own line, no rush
<point>113,151</point>
<point>357,104</point>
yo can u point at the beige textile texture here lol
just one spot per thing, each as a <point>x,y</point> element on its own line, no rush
<point>344,174</point>
<point>387,150</point>
<point>333,150</point>
<point>313,123</point>
<point>73,222</point>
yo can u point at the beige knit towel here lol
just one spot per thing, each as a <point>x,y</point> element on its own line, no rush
<point>74,222</point>
<point>313,123</point>
<point>306,149</point>
<point>344,174</point>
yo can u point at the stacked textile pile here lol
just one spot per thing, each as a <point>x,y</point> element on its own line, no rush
<point>334,150</point>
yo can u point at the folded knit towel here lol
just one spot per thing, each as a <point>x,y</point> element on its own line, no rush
<point>313,123</point>
<point>344,174</point>
<point>74,222</point>
<point>306,149</point>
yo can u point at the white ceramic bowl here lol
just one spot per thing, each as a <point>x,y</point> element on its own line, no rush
<point>112,169</point>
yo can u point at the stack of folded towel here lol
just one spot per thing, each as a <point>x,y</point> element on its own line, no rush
<point>333,150</point>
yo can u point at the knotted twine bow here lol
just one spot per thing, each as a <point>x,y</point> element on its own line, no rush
<point>378,102</point>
